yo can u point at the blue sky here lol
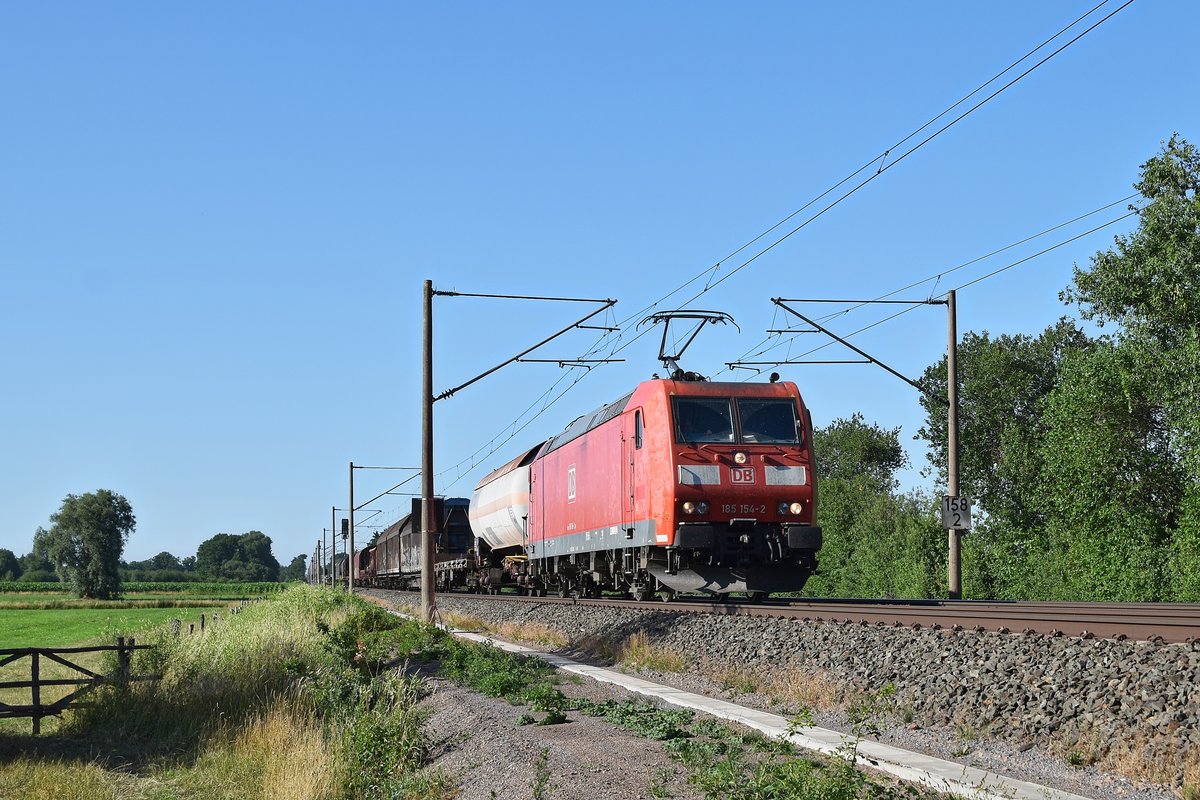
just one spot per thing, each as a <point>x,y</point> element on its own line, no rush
<point>215,221</point>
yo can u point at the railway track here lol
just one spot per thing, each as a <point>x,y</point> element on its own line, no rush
<point>1150,622</point>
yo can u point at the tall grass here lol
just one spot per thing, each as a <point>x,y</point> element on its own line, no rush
<point>288,699</point>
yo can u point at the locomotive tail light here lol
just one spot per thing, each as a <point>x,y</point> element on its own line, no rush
<point>783,508</point>
<point>740,457</point>
<point>702,507</point>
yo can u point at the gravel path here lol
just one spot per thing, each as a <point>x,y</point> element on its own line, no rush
<point>480,743</point>
<point>754,648</point>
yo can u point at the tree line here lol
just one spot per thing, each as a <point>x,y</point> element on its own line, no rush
<point>82,549</point>
<point>1082,450</point>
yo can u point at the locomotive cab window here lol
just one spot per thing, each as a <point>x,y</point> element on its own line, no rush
<point>703,419</point>
<point>768,421</point>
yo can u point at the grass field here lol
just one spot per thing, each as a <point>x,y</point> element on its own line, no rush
<point>67,627</point>
<point>48,618</point>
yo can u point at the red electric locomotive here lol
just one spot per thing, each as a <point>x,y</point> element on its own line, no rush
<point>679,486</point>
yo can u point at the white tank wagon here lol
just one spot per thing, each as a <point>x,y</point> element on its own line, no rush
<point>500,505</point>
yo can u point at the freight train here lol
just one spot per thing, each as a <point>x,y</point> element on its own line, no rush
<point>679,486</point>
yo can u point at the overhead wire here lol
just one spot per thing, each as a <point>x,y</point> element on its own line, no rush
<point>619,336</point>
<point>991,274</point>
<point>754,351</point>
<point>881,157</point>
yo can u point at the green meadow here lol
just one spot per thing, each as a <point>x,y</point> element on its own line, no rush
<point>50,618</point>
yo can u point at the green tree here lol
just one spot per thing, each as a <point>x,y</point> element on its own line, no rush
<point>35,567</point>
<point>877,543</point>
<point>1111,486</point>
<point>297,570</point>
<point>10,567</point>
<point>850,448</point>
<point>246,557</point>
<point>165,560</point>
<point>85,541</point>
<point>254,548</point>
<point>213,553</point>
<point>1148,286</point>
<point>1004,382</point>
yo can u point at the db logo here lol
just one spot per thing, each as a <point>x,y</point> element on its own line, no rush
<point>741,474</point>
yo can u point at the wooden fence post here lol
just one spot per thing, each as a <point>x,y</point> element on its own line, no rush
<point>122,660</point>
<point>35,678</point>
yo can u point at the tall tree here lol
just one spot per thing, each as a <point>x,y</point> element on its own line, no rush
<point>1004,382</point>
<point>165,560</point>
<point>35,567</point>
<point>297,570</point>
<point>1111,487</point>
<point>85,541</point>
<point>849,448</point>
<point>877,543</point>
<point>247,557</point>
<point>213,553</point>
<point>1149,285</point>
<point>10,567</point>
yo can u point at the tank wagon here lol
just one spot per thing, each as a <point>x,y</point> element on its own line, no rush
<point>678,486</point>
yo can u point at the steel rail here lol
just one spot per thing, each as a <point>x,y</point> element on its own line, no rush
<point>1149,622</point>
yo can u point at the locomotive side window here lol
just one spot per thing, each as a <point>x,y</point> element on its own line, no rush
<point>637,429</point>
<point>768,421</point>
<point>703,419</point>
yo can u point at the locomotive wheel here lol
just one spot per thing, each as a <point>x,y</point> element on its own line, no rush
<point>564,590</point>
<point>668,595</point>
<point>756,597</point>
<point>642,593</point>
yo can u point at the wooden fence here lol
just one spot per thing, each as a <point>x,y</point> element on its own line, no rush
<point>90,680</point>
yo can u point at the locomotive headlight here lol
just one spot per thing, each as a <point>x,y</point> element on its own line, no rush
<point>702,507</point>
<point>796,508</point>
<point>783,509</point>
<point>689,507</point>
<point>740,457</point>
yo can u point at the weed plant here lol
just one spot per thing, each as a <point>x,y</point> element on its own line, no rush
<point>639,653</point>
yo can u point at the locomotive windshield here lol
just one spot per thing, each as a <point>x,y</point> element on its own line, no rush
<point>768,421</point>
<point>703,419</point>
<point>764,420</point>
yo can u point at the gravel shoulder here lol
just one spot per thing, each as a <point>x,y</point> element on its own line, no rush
<point>627,765</point>
<point>477,740</point>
